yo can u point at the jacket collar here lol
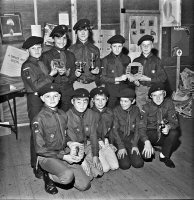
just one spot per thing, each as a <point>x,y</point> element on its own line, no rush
<point>49,109</point>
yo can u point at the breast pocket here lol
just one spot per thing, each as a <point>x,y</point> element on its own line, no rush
<point>51,135</point>
<point>110,70</point>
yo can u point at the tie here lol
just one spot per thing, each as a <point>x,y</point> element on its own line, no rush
<point>43,67</point>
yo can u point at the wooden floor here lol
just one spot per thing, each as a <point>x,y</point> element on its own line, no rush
<point>154,181</point>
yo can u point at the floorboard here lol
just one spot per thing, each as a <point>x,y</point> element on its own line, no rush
<point>153,181</point>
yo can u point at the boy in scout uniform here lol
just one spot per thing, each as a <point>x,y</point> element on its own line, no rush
<point>60,58</point>
<point>57,155</point>
<point>34,75</point>
<point>126,123</point>
<point>82,127</point>
<point>153,71</point>
<point>87,55</point>
<point>114,69</point>
<point>107,155</point>
<point>158,125</point>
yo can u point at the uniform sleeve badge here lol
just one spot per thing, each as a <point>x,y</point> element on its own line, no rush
<point>35,126</point>
<point>26,73</point>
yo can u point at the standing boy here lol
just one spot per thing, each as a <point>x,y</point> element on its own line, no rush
<point>153,71</point>
<point>60,164</point>
<point>107,155</point>
<point>87,55</point>
<point>64,61</point>
<point>34,75</point>
<point>126,123</point>
<point>158,125</point>
<point>114,69</point>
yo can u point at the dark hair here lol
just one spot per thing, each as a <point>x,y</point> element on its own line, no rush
<point>61,34</point>
<point>90,36</point>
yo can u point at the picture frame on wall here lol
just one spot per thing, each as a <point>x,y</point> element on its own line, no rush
<point>11,28</point>
<point>170,13</point>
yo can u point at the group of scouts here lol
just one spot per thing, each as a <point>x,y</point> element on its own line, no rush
<point>87,115</point>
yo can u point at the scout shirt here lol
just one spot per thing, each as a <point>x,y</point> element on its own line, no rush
<point>33,76</point>
<point>152,68</point>
<point>64,81</point>
<point>49,131</point>
<point>82,52</point>
<point>152,115</point>
<point>83,127</point>
<point>127,121</point>
<point>105,123</point>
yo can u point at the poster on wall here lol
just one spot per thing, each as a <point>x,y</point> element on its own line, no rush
<point>170,12</point>
<point>13,60</point>
<point>11,28</point>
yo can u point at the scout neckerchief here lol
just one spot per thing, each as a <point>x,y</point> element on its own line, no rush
<point>127,127</point>
<point>101,123</point>
<point>159,120</point>
<point>43,67</point>
<point>82,138</point>
<point>62,54</point>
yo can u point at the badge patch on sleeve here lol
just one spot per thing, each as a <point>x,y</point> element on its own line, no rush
<point>36,127</point>
<point>26,73</point>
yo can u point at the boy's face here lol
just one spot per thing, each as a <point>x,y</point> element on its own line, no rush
<point>80,104</point>
<point>116,48</point>
<point>158,97</point>
<point>83,34</point>
<point>125,103</point>
<point>146,47</point>
<point>100,101</point>
<point>60,42</point>
<point>51,99</point>
<point>35,51</point>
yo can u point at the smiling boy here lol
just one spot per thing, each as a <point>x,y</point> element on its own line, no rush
<point>158,125</point>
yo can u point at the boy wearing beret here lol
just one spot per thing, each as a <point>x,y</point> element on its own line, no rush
<point>126,123</point>
<point>107,155</point>
<point>153,71</point>
<point>60,163</point>
<point>158,125</point>
<point>114,69</point>
<point>34,75</point>
<point>87,56</point>
<point>82,127</point>
<point>58,57</point>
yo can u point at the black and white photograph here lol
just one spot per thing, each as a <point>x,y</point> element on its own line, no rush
<point>96,99</point>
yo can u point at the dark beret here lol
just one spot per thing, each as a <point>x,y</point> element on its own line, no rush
<point>116,39</point>
<point>59,30</point>
<point>50,87</point>
<point>99,90</point>
<point>80,93</point>
<point>156,87</point>
<point>82,23</point>
<point>31,41</point>
<point>127,93</point>
<point>144,38</point>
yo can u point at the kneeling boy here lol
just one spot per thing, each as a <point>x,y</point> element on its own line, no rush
<point>107,156</point>
<point>82,127</point>
<point>51,141</point>
<point>158,125</point>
